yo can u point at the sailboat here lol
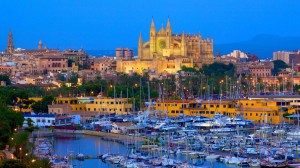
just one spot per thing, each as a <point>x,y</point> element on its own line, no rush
<point>297,131</point>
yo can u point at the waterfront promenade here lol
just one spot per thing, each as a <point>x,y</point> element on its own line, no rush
<point>109,136</point>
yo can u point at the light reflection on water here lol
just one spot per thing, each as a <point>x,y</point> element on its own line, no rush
<point>93,145</point>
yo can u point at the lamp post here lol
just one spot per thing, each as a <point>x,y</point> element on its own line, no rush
<point>20,149</point>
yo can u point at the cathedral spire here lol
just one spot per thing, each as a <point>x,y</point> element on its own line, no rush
<point>141,39</point>
<point>152,28</point>
<point>140,46</point>
<point>169,25</point>
<point>183,38</point>
<point>152,25</point>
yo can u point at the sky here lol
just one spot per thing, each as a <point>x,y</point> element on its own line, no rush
<point>108,24</point>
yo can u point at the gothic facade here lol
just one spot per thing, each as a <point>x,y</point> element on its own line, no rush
<point>168,52</point>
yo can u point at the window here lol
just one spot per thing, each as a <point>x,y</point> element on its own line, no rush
<point>224,106</point>
<point>217,105</point>
<point>207,112</point>
<point>158,104</point>
<point>204,106</point>
<point>173,111</point>
<point>250,114</point>
<point>256,114</point>
<point>212,112</point>
<point>211,105</point>
<point>38,120</point>
<point>88,109</point>
<point>246,114</point>
<point>94,109</point>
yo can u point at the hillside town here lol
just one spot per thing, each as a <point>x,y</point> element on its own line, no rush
<point>175,96</point>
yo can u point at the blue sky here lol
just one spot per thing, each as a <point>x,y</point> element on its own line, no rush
<point>107,24</point>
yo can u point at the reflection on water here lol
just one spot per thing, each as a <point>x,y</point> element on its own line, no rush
<point>88,145</point>
<point>92,145</point>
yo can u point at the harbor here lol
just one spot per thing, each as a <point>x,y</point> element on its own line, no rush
<point>177,142</point>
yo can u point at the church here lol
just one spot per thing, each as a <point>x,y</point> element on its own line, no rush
<point>166,52</point>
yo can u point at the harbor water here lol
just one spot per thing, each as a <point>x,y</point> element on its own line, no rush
<point>65,144</point>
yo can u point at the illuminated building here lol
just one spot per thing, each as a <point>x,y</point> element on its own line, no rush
<point>168,52</point>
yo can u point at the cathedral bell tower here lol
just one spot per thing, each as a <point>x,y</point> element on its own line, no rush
<point>40,45</point>
<point>10,45</point>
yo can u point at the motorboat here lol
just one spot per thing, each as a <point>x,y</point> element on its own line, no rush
<point>224,129</point>
<point>212,157</point>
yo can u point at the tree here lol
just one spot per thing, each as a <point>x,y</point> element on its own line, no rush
<point>188,69</point>
<point>73,80</point>
<point>278,66</point>
<point>70,61</point>
<point>20,141</point>
<point>9,120</point>
<point>12,163</point>
<point>5,78</point>
<point>42,106</point>
<point>216,72</point>
<point>44,163</point>
<point>61,77</point>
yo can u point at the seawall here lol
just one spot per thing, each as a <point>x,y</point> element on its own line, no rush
<point>104,135</point>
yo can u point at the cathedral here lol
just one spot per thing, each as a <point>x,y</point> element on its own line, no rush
<point>166,52</point>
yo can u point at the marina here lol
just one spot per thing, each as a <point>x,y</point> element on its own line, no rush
<point>178,142</point>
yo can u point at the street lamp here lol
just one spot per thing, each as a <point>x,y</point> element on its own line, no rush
<point>20,153</point>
